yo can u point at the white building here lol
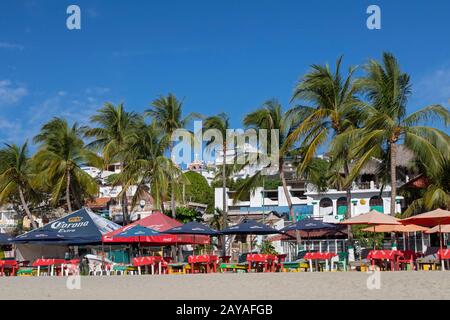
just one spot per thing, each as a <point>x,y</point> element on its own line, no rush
<point>330,206</point>
<point>8,219</point>
<point>207,170</point>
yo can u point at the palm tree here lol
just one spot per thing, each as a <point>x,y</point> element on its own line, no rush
<point>148,168</point>
<point>115,125</point>
<point>270,116</point>
<point>336,110</point>
<point>60,155</point>
<point>167,113</point>
<point>16,176</point>
<point>387,89</point>
<point>436,194</point>
<point>221,123</point>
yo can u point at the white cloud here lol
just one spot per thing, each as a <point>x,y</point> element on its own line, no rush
<point>98,91</point>
<point>10,131</point>
<point>10,93</point>
<point>434,87</point>
<point>11,46</point>
<point>5,124</point>
<point>74,107</point>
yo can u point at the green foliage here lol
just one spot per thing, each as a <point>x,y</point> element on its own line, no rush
<point>435,195</point>
<point>387,89</point>
<point>333,110</point>
<point>218,221</point>
<point>61,154</point>
<point>201,249</point>
<point>268,248</point>
<point>184,215</point>
<point>198,190</point>
<point>115,127</point>
<point>148,168</point>
<point>367,239</point>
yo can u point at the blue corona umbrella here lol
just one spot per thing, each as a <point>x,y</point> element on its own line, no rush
<point>250,227</point>
<point>81,227</point>
<point>308,225</point>
<point>4,239</point>
<point>193,228</point>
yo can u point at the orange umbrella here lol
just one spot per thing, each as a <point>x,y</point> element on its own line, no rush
<point>444,229</point>
<point>396,228</point>
<point>372,218</point>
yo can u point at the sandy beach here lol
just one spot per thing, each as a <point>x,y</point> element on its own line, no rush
<point>342,285</point>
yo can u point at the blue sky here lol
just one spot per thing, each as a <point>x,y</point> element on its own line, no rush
<point>218,55</point>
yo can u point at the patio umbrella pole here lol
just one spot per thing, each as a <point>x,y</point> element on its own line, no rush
<point>440,244</point>
<point>139,246</point>
<point>309,242</point>
<point>374,237</point>
<point>404,241</point>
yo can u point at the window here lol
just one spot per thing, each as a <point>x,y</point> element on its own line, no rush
<point>325,207</point>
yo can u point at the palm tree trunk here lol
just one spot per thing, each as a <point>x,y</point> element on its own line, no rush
<point>124,202</point>
<point>174,249</point>
<point>27,210</point>
<point>172,202</point>
<point>124,205</point>
<point>69,204</point>
<point>172,193</point>
<point>393,177</point>
<point>224,196</point>
<point>78,201</point>
<point>288,199</point>
<point>349,201</point>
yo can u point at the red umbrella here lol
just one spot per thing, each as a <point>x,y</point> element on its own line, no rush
<point>429,219</point>
<point>159,222</point>
<point>433,218</point>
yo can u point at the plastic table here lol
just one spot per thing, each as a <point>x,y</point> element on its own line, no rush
<point>9,264</point>
<point>266,261</point>
<point>389,255</point>
<point>206,261</point>
<point>148,261</point>
<point>51,263</point>
<point>316,256</point>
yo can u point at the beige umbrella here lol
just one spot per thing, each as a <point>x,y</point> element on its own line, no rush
<point>372,218</point>
<point>443,229</point>
<point>397,228</point>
